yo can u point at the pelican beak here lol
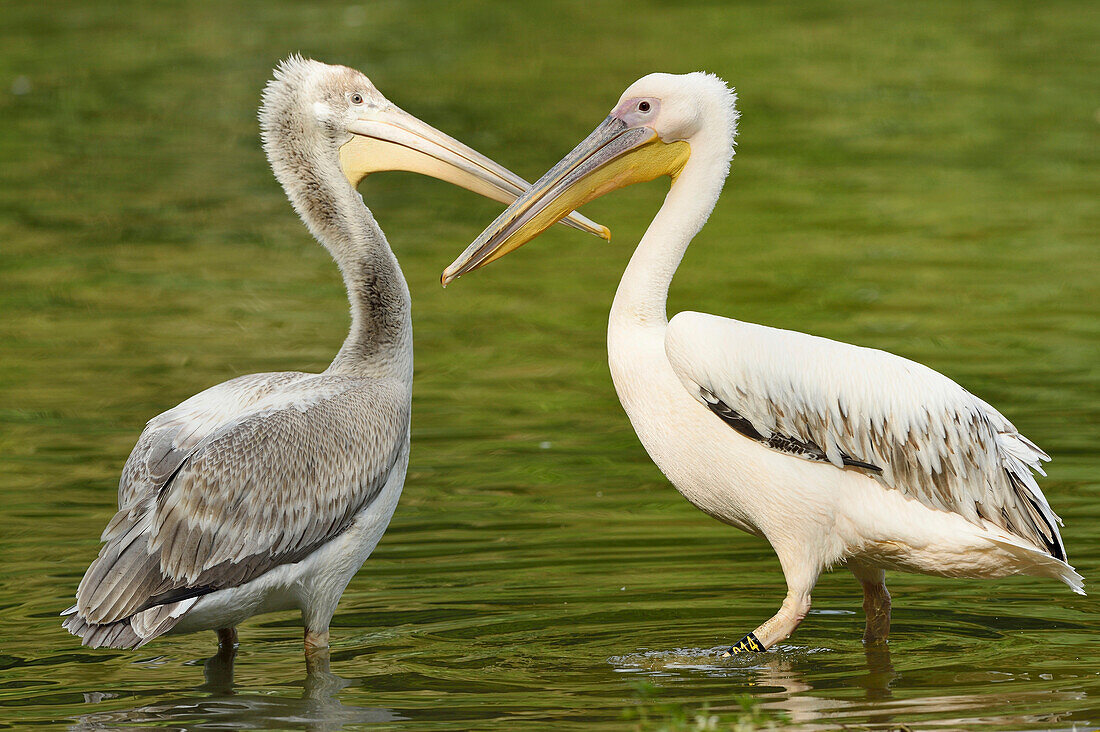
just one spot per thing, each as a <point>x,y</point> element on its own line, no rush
<point>388,138</point>
<point>613,156</point>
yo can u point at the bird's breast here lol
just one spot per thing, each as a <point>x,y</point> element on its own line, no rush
<point>679,433</point>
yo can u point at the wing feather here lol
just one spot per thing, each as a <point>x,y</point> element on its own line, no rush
<point>169,437</point>
<point>864,408</point>
<point>259,488</point>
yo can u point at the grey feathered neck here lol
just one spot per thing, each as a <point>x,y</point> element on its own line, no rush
<point>304,155</point>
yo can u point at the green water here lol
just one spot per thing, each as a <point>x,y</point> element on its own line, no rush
<point>917,177</point>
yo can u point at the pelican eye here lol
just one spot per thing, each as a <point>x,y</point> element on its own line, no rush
<point>643,106</point>
<point>356,98</point>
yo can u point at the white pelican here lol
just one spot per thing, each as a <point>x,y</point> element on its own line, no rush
<point>832,452</point>
<point>269,491</point>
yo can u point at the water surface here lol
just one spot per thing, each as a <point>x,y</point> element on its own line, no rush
<point>922,179</point>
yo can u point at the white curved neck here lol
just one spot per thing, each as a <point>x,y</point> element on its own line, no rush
<point>643,290</point>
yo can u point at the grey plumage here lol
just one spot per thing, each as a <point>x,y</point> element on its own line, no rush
<point>261,471</point>
<point>265,488</point>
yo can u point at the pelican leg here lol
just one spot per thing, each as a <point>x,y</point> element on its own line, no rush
<point>217,670</point>
<point>317,612</point>
<point>876,602</point>
<point>316,640</point>
<point>317,652</point>
<point>227,639</point>
<point>800,583</point>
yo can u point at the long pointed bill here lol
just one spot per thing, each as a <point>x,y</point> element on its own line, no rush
<point>613,156</point>
<point>392,139</point>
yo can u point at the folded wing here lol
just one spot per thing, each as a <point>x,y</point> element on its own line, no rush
<point>897,421</point>
<point>229,485</point>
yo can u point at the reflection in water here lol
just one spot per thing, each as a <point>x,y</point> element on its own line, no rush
<point>780,680</point>
<point>777,677</point>
<point>786,672</point>
<point>221,707</point>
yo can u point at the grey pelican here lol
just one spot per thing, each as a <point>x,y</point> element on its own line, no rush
<point>269,491</point>
<point>833,453</point>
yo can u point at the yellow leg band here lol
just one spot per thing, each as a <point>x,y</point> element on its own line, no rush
<point>748,644</point>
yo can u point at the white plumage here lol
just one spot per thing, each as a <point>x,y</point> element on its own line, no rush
<point>926,435</point>
<point>832,452</point>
